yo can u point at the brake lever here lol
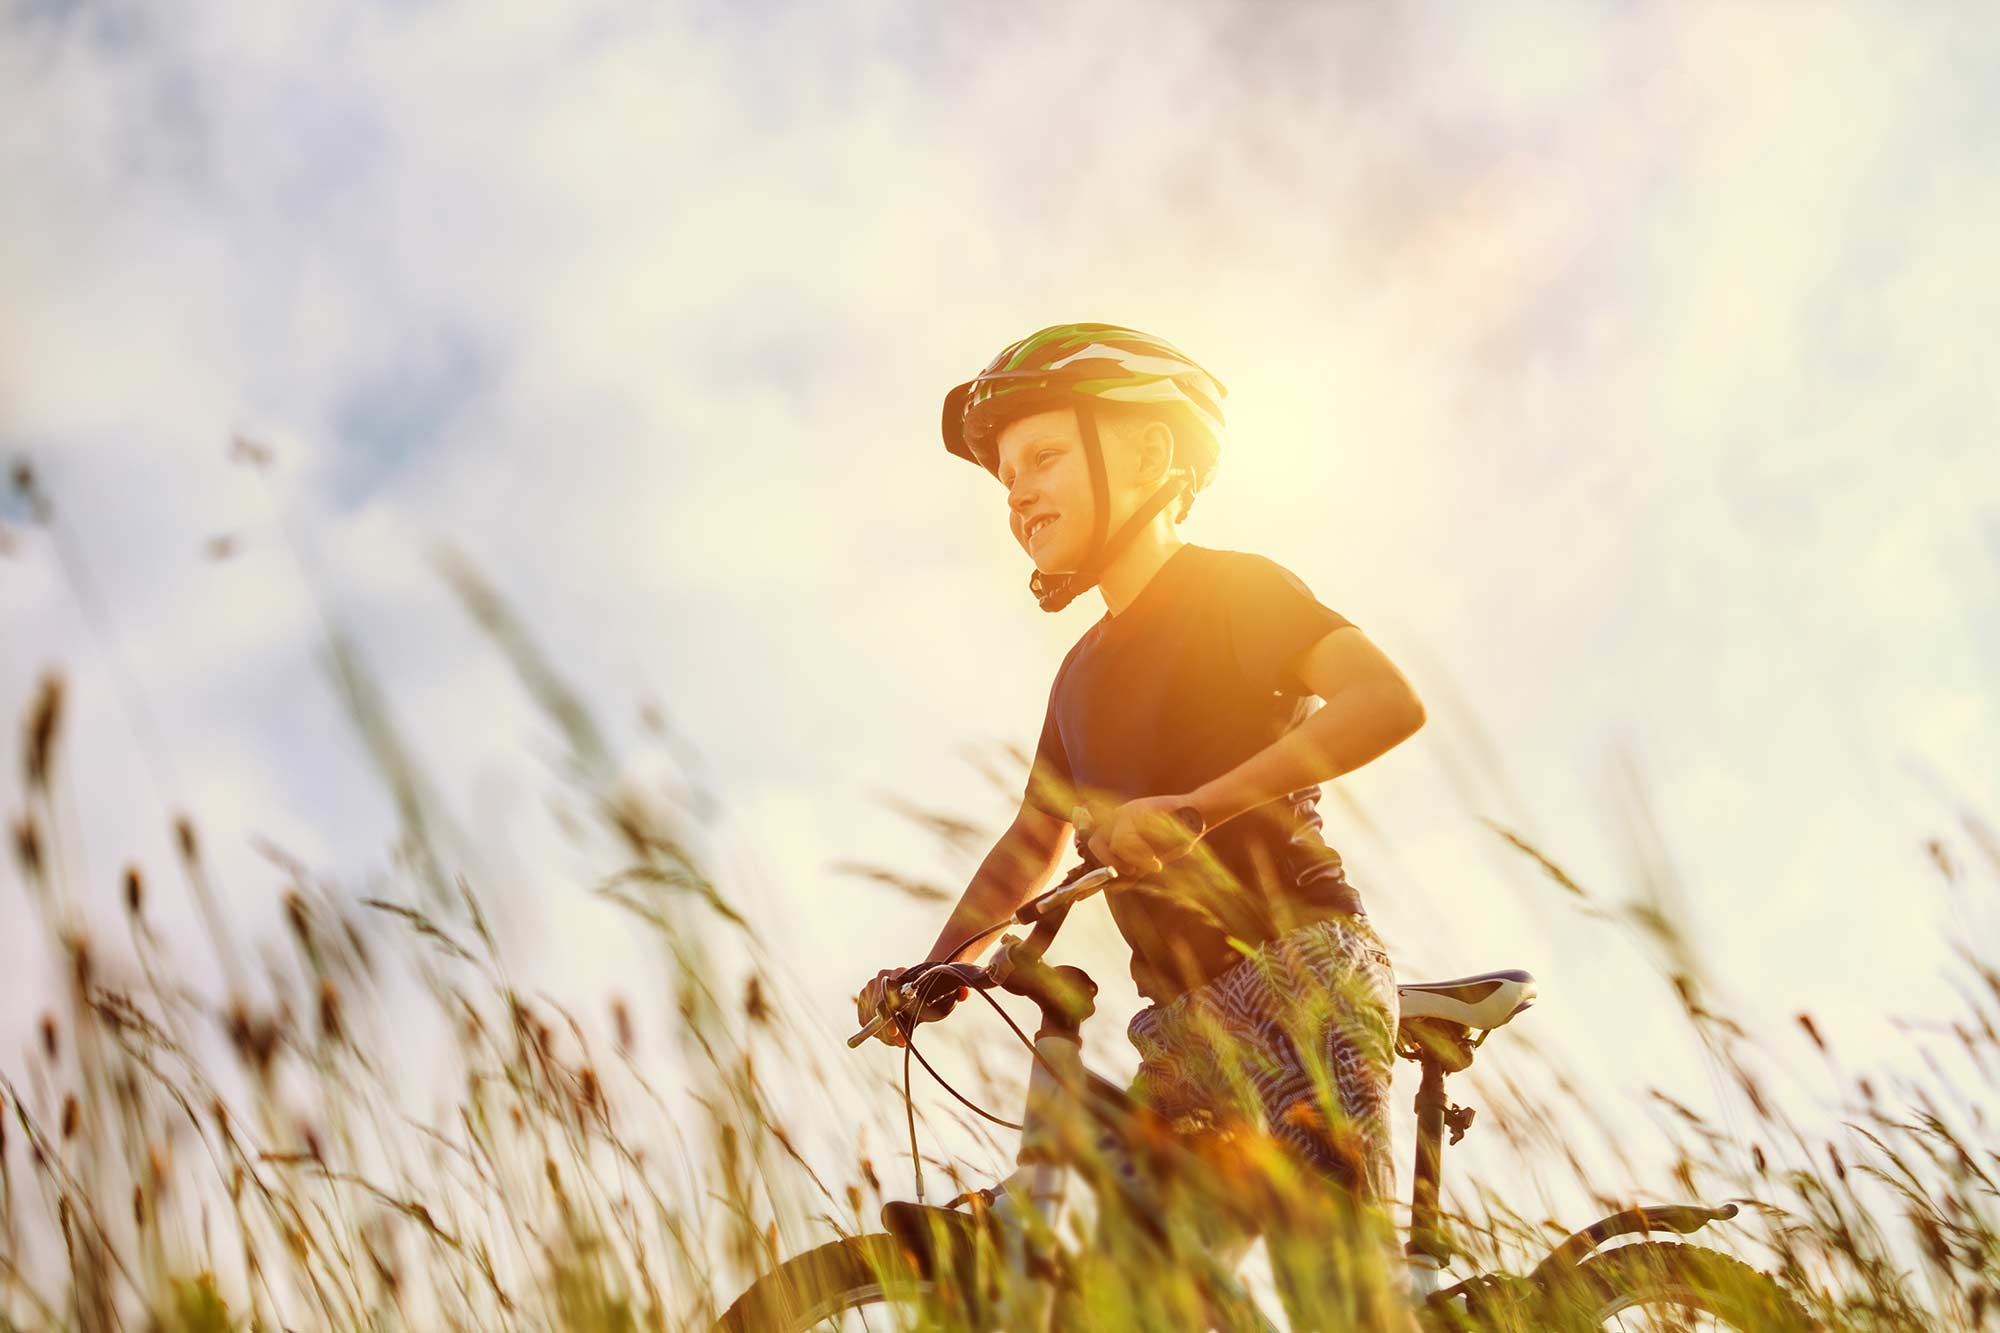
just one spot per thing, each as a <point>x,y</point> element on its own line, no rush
<point>1002,966</point>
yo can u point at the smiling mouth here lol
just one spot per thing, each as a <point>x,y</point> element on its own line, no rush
<point>1038,525</point>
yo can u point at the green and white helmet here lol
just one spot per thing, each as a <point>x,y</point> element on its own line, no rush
<point>1065,363</point>
<point>1080,366</point>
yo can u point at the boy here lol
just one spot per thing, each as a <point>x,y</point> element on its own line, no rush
<point>1181,745</point>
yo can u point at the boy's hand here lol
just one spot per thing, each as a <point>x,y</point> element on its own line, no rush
<point>868,1004</point>
<point>1140,837</point>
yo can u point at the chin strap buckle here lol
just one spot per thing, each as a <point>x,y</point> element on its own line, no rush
<point>1051,593</point>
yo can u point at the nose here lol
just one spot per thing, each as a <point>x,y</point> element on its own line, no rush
<point>1020,498</point>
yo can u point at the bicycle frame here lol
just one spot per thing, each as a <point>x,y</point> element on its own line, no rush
<point>1063,1097</point>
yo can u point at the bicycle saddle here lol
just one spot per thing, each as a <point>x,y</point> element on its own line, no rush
<point>1483,1000</point>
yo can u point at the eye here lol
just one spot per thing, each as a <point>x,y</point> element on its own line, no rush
<point>1045,455</point>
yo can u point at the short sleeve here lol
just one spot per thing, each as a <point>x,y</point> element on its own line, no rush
<point>1273,617</point>
<point>1051,788</point>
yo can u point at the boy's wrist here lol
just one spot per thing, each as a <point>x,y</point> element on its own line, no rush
<point>1212,808</point>
<point>1192,819</point>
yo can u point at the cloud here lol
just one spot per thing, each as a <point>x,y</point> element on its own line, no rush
<point>1631,367</point>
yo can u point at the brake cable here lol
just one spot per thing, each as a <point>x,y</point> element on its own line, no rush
<point>911,1047</point>
<point>910,1050</point>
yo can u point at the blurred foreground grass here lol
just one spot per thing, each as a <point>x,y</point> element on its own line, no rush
<point>259,1142</point>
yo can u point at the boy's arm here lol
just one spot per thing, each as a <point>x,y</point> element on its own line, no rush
<point>1013,872</point>
<point>1370,709</point>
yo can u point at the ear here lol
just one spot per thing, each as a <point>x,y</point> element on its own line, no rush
<point>1153,453</point>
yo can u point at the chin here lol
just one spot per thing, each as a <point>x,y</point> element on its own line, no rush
<point>1051,562</point>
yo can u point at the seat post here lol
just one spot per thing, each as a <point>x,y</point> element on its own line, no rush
<point>1428,1248</point>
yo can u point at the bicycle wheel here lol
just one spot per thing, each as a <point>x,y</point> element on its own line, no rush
<point>1672,1288</point>
<point>863,1282</point>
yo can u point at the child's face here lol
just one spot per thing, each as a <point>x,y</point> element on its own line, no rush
<point>1046,474</point>
<point>1049,504</point>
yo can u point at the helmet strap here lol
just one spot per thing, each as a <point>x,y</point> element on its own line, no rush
<point>1054,592</point>
<point>1100,476</point>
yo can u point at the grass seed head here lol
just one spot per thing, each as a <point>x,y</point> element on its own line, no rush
<point>1812,1030</point>
<point>82,970</point>
<point>44,719</point>
<point>329,1012</point>
<point>754,1006</point>
<point>28,849</point>
<point>135,891</point>
<point>254,1037</point>
<point>297,918</point>
<point>621,1024</point>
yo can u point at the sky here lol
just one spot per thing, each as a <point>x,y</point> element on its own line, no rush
<point>1625,372</point>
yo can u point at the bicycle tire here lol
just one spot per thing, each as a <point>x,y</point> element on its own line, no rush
<point>1687,1278</point>
<point>842,1275</point>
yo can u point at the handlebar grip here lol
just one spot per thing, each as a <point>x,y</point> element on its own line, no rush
<point>1063,896</point>
<point>867,1032</point>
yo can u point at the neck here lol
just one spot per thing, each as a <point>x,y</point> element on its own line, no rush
<point>1134,567</point>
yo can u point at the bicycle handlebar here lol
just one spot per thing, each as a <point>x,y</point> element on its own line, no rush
<point>1035,912</point>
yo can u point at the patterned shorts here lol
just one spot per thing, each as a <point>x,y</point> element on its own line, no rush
<point>1297,1039</point>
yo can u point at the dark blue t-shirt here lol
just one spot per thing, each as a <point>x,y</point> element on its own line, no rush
<point>1180,687</point>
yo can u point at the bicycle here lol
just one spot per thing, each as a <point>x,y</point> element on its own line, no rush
<point>1001,1241</point>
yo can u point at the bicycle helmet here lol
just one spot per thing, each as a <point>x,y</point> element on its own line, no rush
<point>1081,366</point>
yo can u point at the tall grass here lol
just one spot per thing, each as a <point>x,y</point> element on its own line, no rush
<point>369,1121</point>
